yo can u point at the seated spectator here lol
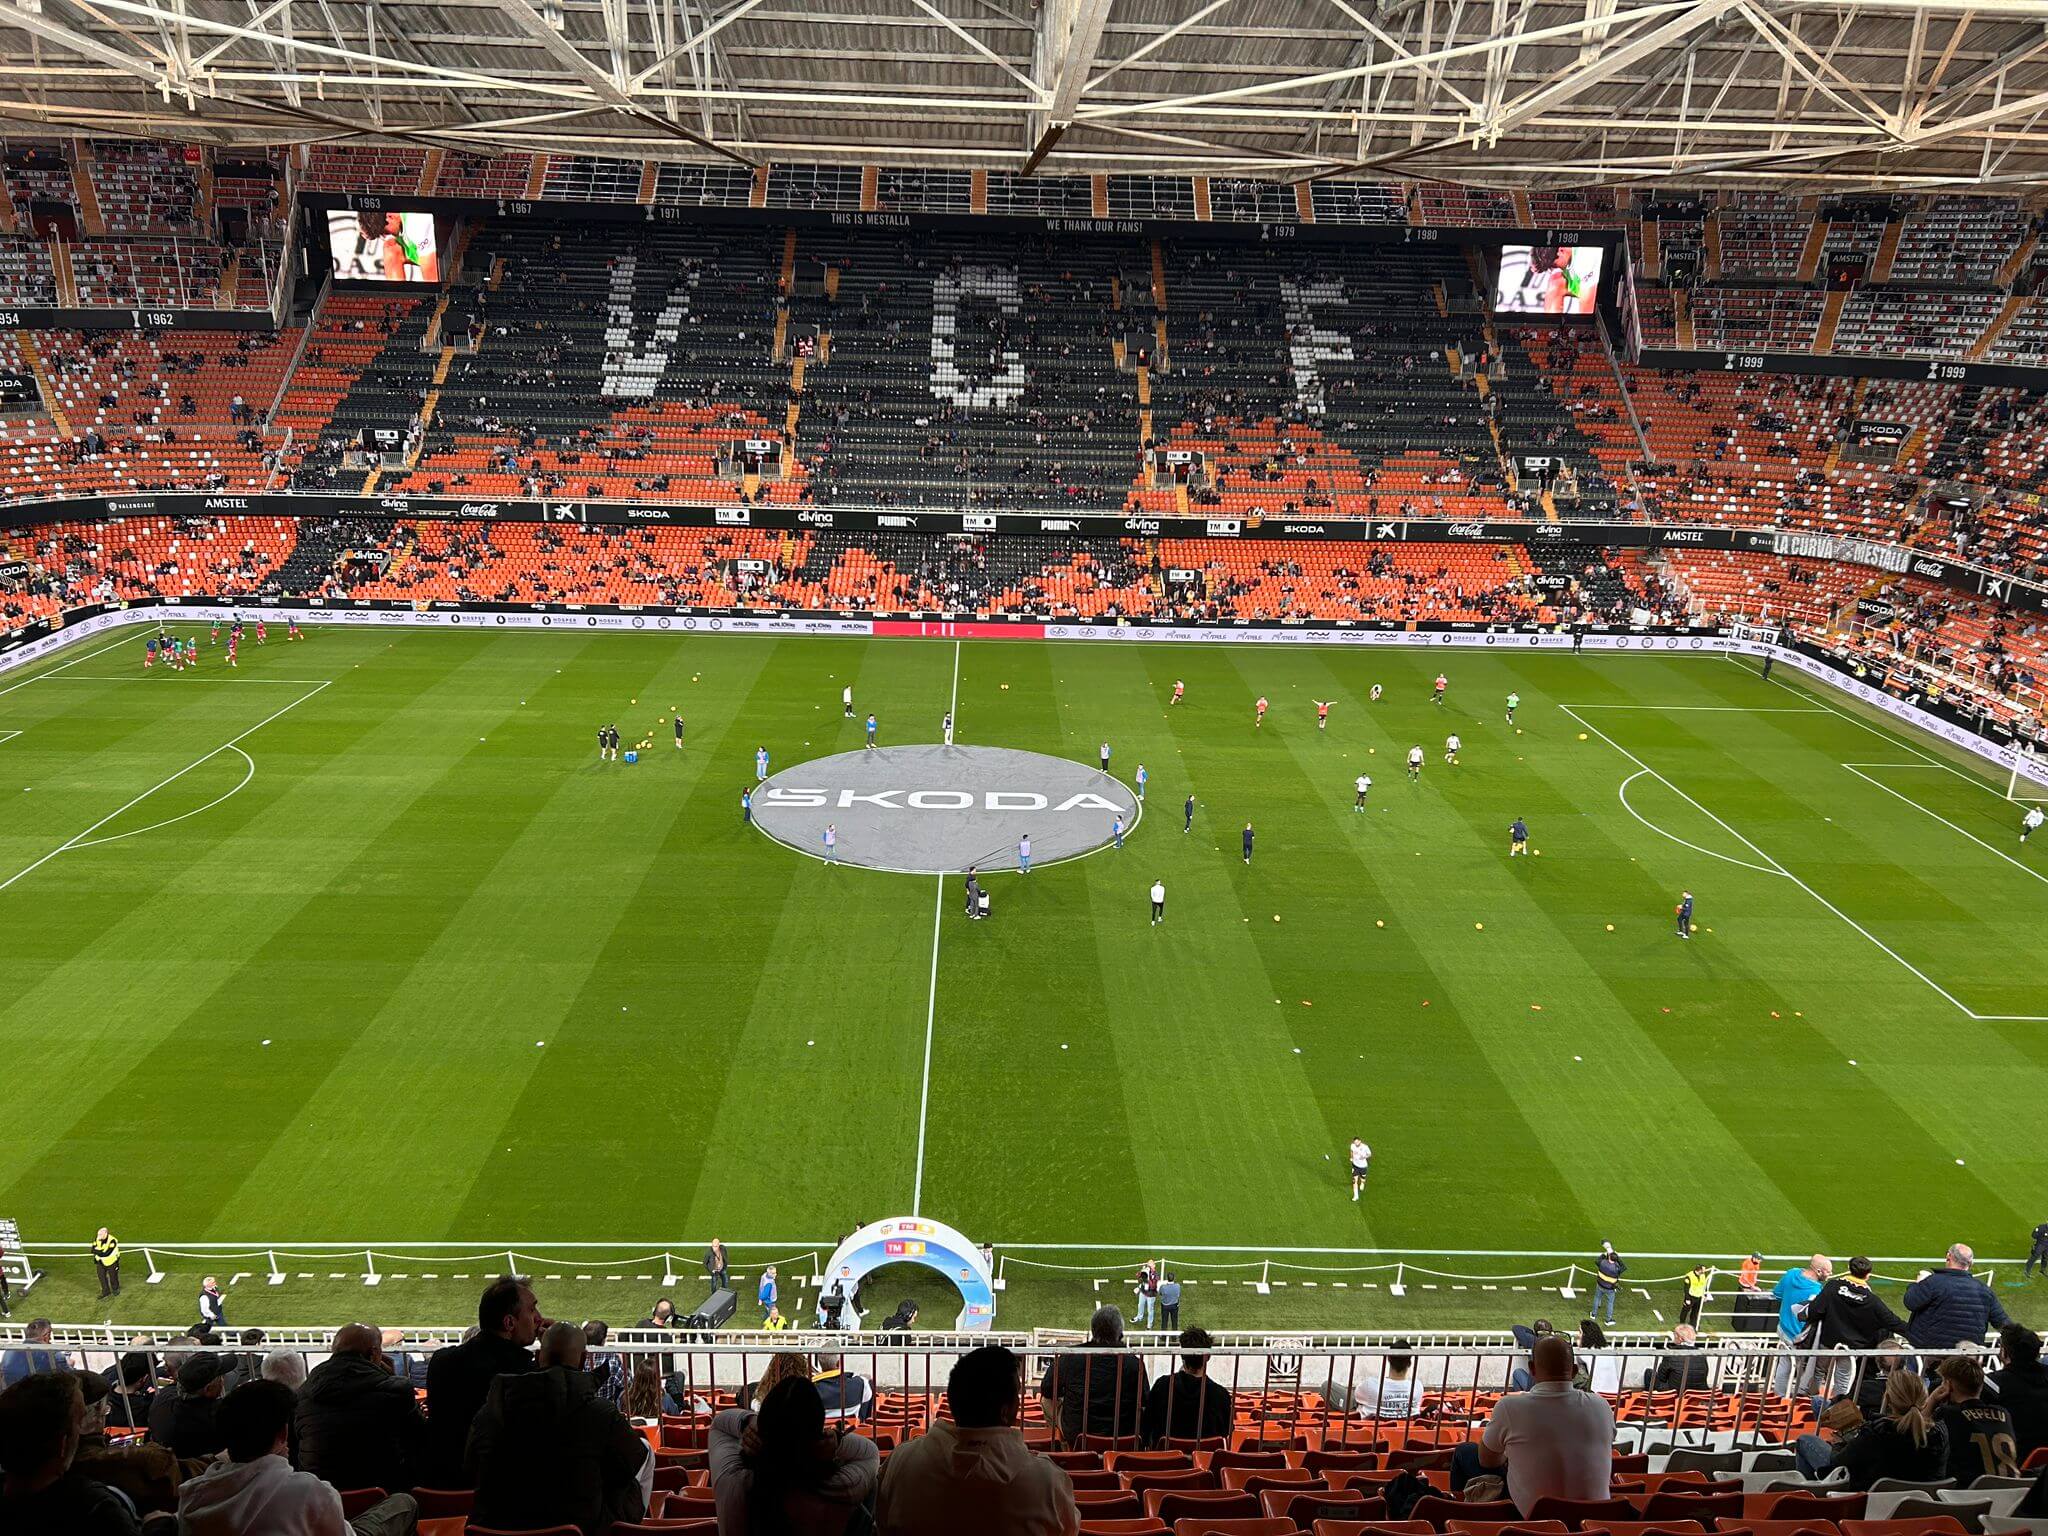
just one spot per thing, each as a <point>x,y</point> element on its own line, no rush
<point>255,1491</point>
<point>2022,1385</point>
<point>1951,1306</point>
<point>407,1367</point>
<point>194,1433</point>
<point>1683,1370</point>
<point>1903,1441</point>
<point>1397,1394</point>
<point>783,1470</point>
<point>42,1418</point>
<point>358,1425</point>
<point>606,1367</point>
<point>1188,1405</point>
<point>779,1366</point>
<point>35,1354</point>
<point>844,1394</point>
<point>1980,1433</point>
<point>508,1321</point>
<point>973,1472</point>
<point>546,1450</point>
<point>287,1367</point>
<point>134,1383</point>
<point>1098,1389</point>
<point>643,1400</point>
<point>1550,1442</point>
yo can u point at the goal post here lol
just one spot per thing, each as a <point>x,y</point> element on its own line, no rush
<point>2028,782</point>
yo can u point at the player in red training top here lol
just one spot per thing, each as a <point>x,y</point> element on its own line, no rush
<point>1261,721</point>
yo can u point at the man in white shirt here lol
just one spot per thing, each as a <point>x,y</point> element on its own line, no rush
<point>254,1491</point>
<point>846,698</point>
<point>1158,902</point>
<point>975,1473</point>
<point>2031,822</point>
<point>1550,1442</point>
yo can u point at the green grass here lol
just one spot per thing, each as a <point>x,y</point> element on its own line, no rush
<point>427,873</point>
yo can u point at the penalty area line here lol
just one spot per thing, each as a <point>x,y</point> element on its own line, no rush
<point>80,839</point>
<point>1960,1006</point>
<point>1923,810</point>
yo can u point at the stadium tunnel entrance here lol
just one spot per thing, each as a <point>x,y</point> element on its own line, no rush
<point>917,1240</point>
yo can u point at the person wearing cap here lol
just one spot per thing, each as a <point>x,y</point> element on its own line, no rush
<point>1752,1271</point>
<point>194,1431</point>
<point>1698,1281</point>
<point>1607,1270</point>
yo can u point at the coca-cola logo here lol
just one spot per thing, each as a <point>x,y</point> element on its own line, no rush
<point>478,509</point>
<point>1465,530</point>
<point>1929,568</point>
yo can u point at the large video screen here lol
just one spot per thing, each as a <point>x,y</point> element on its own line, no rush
<point>383,247</point>
<point>1549,279</point>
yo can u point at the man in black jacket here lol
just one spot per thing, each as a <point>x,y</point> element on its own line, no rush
<point>192,1433</point>
<point>508,1321</point>
<point>547,1450</point>
<point>1684,1369</point>
<point>1848,1314</point>
<point>358,1425</point>
<point>2022,1385</point>
<point>2038,1254</point>
<point>1188,1405</point>
<point>1099,1389</point>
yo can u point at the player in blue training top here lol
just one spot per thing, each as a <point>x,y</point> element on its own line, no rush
<point>1518,838</point>
<point>760,764</point>
<point>831,843</point>
<point>1142,776</point>
<point>1247,842</point>
<point>871,731</point>
<point>1685,914</point>
<point>1116,828</point>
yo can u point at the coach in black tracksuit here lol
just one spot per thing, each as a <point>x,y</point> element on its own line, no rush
<point>2040,1254</point>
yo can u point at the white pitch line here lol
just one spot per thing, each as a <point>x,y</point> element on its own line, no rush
<point>6,736</point>
<point>1973,837</point>
<point>1622,794</point>
<point>1929,981</point>
<point>161,783</point>
<point>131,677</point>
<point>1706,709</point>
<point>154,826</point>
<point>931,1001</point>
<point>74,661</point>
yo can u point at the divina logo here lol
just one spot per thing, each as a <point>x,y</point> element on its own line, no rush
<point>935,809</point>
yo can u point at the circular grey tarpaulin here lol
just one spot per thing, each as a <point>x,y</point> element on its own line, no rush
<point>933,810</point>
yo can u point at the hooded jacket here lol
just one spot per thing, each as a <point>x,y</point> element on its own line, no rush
<point>234,1498</point>
<point>1851,1316</point>
<point>359,1426</point>
<point>981,1480</point>
<point>547,1450</point>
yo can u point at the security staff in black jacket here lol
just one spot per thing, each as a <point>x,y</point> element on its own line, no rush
<point>106,1262</point>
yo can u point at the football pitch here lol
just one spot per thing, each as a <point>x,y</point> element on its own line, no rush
<point>361,943</point>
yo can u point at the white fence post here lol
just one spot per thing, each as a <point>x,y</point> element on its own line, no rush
<point>156,1276</point>
<point>1569,1290</point>
<point>276,1274</point>
<point>370,1275</point>
<point>1399,1287</point>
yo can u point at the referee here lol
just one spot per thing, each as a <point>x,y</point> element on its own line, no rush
<point>106,1262</point>
<point>1158,902</point>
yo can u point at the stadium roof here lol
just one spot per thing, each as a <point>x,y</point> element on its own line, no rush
<point>1800,93</point>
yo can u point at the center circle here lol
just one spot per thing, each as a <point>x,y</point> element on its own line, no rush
<point>936,810</point>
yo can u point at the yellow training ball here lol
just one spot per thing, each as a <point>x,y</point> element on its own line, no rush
<point>1380,922</point>
<point>1479,925</point>
<point>1276,917</point>
<point>1610,927</point>
<point>1582,735</point>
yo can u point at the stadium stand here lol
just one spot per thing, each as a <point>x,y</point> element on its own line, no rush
<point>143,187</point>
<point>384,168</point>
<point>27,275</point>
<point>1960,242</point>
<point>1762,235</point>
<point>1893,322</point>
<point>1756,319</point>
